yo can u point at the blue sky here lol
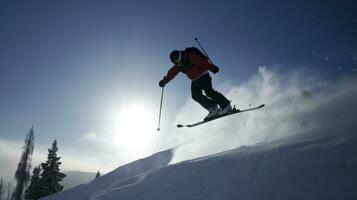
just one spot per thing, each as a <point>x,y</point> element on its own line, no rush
<point>65,66</point>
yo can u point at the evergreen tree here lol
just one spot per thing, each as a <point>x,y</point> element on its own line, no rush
<point>97,175</point>
<point>22,174</point>
<point>1,188</point>
<point>9,190</point>
<point>32,191</point>
<point>51,175</point>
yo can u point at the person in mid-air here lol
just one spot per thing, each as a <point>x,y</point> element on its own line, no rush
<point>196,66</point>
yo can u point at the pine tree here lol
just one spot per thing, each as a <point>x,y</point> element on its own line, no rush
<point>1,188</point>
<point>51,175</point>
<point>9,190</point>
<point>32,191</point>
<point>22,174</point>
<point>97,175</point>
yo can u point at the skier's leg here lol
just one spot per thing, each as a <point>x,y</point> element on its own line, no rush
<point>217,97</point>
<point>196,93</point>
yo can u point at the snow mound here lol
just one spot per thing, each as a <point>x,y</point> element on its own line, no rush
<point>316,169</point>
<point>122,177</point>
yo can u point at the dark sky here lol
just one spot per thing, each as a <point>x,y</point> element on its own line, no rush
<point>64,63</point>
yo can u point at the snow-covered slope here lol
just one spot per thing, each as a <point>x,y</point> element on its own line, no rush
<point>315,169</point>
<point>74,178</point>
<point>123,176</point>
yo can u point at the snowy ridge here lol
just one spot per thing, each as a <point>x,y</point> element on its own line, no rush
<point>316,169</point>
<point>122,177</point>
<point>121,184</point>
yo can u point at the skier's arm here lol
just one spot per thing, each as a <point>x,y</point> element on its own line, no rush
<point>214,69</point>
<point>170,75</point>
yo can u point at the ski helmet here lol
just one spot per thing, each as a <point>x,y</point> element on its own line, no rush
<point>175,56</point>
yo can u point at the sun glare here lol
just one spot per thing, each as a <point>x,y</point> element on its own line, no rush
<point>135,128</point>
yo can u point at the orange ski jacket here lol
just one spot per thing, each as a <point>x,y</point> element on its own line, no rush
<point>192,65</point>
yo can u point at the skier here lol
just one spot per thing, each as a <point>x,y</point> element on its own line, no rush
<point>196,66</point>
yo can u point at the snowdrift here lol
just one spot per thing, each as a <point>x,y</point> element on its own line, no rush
<point>123,176</point>
<point>316,169</point>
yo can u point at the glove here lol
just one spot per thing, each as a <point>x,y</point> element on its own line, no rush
<point>163,82</point>
<point>214,69</point>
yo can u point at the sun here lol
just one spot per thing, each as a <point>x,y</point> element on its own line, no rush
<point>135,126</point>
<point>135,119</point>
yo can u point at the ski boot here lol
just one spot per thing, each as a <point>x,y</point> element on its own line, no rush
<point>213,111</point>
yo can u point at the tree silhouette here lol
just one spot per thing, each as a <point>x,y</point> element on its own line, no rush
<point>22,174</point>
<point>51,175</point>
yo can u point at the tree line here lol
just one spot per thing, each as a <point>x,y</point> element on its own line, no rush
<point>45,177</point>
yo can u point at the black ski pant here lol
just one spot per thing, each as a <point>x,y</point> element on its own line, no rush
<point>212,97</point>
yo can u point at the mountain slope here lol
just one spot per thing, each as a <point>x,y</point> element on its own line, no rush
<point>123,173</point>
<point>74,178</point>
<point>318,169</point>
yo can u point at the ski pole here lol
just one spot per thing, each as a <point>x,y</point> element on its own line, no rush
<point>162,96</point>
<point>203,50</point>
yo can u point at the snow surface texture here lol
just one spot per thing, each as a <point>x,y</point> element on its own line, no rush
<point>318,169</point>
<point>122,177</point>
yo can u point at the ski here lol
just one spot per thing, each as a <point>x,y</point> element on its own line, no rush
<point>234,111</point>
